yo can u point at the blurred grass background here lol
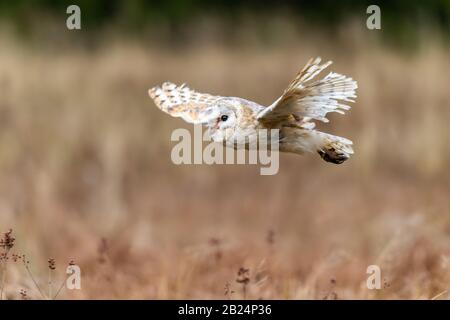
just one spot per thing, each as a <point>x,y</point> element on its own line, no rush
<point>85,169</point>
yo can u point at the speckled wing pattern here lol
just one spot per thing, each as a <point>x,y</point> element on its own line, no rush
<point>306,99</point>
<point>181,101</point>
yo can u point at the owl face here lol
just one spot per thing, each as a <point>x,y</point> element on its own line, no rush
<point>223,123</point>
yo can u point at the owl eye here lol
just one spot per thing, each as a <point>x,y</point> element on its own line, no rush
<point>224,117</point>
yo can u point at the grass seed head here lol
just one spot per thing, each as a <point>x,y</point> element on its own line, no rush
<point>7,240</point>
<point>51,264</point>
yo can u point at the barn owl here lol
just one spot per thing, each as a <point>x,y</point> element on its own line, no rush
<point>231,119</point>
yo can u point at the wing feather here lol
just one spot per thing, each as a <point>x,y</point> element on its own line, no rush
<point>181,101</point>
<point>305,99</point>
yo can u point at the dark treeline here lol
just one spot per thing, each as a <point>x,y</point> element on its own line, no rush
<point>402,17</point>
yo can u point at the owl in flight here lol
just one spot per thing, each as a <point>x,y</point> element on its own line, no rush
<point>231,119</point>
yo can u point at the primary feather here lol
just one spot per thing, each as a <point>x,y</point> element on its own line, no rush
<point>181,101</point>
<point>313,99</point>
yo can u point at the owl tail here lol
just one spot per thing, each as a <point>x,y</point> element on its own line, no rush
<point>331,148</point>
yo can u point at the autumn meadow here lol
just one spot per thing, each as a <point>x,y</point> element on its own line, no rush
<point>86,176</point>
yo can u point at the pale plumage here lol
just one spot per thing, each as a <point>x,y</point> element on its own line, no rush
<point>180,101</point>
<point>232,119</point>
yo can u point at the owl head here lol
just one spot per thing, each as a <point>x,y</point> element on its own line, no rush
<point>222,122</point>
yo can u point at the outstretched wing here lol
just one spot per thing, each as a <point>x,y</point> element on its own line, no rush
<point>305,99</point>
<point>180,101</point>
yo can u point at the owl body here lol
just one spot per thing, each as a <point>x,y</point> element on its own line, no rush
<point>238,122</point>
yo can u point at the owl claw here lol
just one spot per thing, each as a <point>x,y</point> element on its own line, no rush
<point>332,156</point>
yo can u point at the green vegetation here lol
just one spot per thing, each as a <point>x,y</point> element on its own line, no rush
<point>402,17</point>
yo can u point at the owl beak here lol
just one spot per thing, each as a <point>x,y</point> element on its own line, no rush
<point>212,129</point>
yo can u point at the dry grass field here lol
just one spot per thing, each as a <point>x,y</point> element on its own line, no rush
<point>86,175</point>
